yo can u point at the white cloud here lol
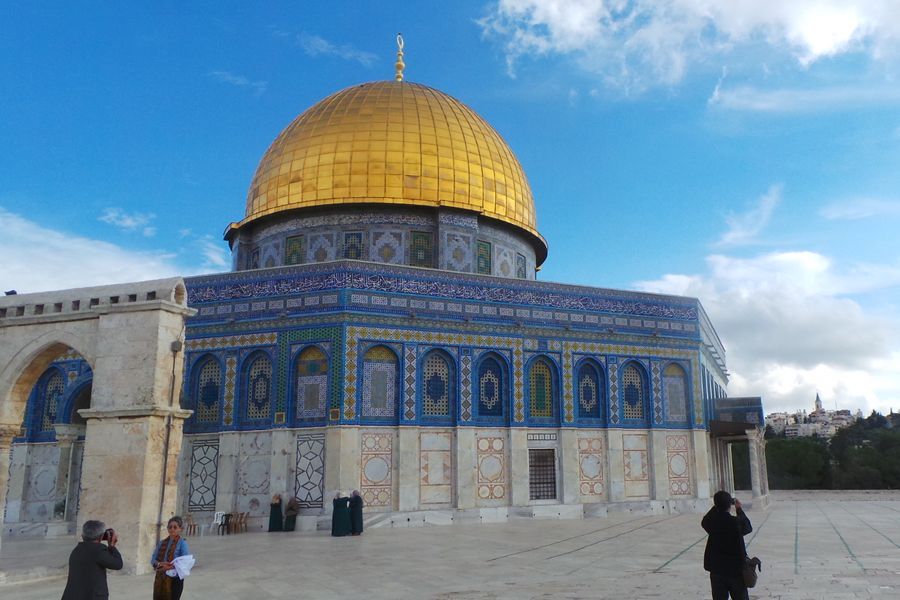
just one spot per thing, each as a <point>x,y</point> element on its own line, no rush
<point>861,208</point>
<point>37,258</point>
<point>258,87</point>
<point>791,328</point>
<point>751,99</point>
<point>743,228</point>
<point>315,45</point>
<point>128,221</point>
<point>639,43</point>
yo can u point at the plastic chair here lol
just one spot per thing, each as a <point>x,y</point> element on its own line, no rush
<point>191,526</point>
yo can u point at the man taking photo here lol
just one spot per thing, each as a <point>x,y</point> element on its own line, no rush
<point>89,561</point>
<point>725,549</point>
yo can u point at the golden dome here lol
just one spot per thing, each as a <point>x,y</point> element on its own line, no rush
<point>392,142</point>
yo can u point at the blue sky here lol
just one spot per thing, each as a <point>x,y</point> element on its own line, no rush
<point>747,153</point>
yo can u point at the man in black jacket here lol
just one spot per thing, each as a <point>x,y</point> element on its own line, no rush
<point>89,561</point>
<point>725,550</point>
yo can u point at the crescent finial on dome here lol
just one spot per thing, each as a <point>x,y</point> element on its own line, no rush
<point>399,64</point>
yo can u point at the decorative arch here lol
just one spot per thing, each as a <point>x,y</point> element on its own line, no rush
<point>437,387</point>
<point>311,384</point>
<point>492,389</point>
<point>74,399</point>
<point>44,404</point>
<point>256,389</point>
<point>676,390</point>
<point>635,393</point>
<point>590,391</point>
<point>542,389</point>
<point>381,385</point>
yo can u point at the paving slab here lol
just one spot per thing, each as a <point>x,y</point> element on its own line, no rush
<point>813,545</point>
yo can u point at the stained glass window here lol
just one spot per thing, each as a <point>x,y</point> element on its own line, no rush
<point>379,391</point>
<point>521,270</point>
<point>422,250</point>
<point>208,391</point>
<point>53,390</point>
<point>312,383</point>
<point>633,392</point>
<point>293,250</point>
<point>675,390</point>
<point>353,245</point>
<point>257,389</point>
<point>541,389</point>
<point>590,392</point>
<point>483,259</point>
<point>436,386</point>
<point>490,388</point>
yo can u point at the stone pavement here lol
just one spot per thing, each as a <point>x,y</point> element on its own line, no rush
<point>813,545</point>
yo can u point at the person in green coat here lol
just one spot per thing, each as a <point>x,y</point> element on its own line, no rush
<point>275,521</point>
<point>340,516</point>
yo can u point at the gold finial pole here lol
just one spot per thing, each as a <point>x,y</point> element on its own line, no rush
<point>399,64</point>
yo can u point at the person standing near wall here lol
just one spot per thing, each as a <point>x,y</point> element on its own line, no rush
<point>89,561</point>
<point>725,550</point>
<point>166,587</point>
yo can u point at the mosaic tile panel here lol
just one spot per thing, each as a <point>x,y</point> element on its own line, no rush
<point>636,466</point>
<point>505,262</point>
<point>421,252</point>
<point>288,341</point>
<point>657,393</point>
<point>293,250</point>
<point>353,245</point>
<point>258,390</point>
<point>483,258</point>
<point>376,465</point>
<point>589,392</point>
<point>465,394</point>
<point>231,341</point>
<point>322,247</point>
<point>518,394</point>
<point>409,395</point>
<point>490,481</point>
<point>491,391</point>
<point>309,480</point>
<point>674,388</point>
<point>679,460</point>
<point>203,477</point>
<point>379,391</point>
<point>387,247</point>
<point>435,468</point>
<point>228,396</point>
<point>458,252</point>
<point>698,396</point>
<point>568,403</point>
<point>590,466</point>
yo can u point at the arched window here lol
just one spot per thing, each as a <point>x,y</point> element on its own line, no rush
<point>380,379</point>
<point>541,389</point>
<point>312,383</point>
<point>633,392</point>
<point>208,391</point>
<point>258,388</point>
<point>51,388</point>
<point>591,392</point>
<point>491,388</point>
<point>675,390</point>
<point>437,386</point>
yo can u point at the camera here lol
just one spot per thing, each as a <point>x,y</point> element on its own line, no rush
<point>732,502</point>
<point>107,535</point>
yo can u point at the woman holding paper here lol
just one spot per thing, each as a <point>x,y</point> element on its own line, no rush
<point>169,585</point>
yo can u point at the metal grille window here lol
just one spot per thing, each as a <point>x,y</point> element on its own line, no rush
<point>312,383</point>
<point>541,389</point>
<point>436,386</point>
<point>207,392</point>
<point>541,474</point>
<point>259,379</point>
<point>633,386</point>
<point>52,392</point>
<point>490,389</point>
<point>293,250</point>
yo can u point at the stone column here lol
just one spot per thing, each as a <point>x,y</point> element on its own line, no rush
<point>7,432</point>
<point>518,462</point>
<point>13,469</point>
<point>227,471</point>
<point>616,472</point>
<point>408,468</point>
<point>753,452</point>
<point>66,435</point>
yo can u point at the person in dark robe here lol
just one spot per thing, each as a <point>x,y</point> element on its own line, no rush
<point>725,550</point>
<point>356,513</point>
<point>275,522</point>
<point>290,513</point>
<point>340,516</point>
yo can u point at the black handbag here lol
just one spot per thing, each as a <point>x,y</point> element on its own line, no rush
<point>749,571</point>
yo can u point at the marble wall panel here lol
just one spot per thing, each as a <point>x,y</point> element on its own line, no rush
<point>309,483</point>
<point>435,468</point>
<point>678,456</point>
<point>591,465</point>
<point>40,483</point>
<point>254,466</point>
<point>491,480</point>
<point>376,470</point>
<point>637,466</point>
<point>203,475</point>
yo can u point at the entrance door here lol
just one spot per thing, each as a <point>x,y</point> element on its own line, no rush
<point>542,474</point>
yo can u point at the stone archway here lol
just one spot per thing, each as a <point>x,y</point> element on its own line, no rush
<point>132,336</point>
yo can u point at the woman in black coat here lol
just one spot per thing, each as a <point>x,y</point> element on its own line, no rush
<point>356,513</point>
<point>340,516</point>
